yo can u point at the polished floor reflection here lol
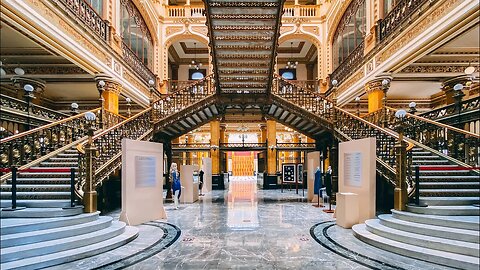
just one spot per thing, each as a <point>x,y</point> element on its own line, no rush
<point>272,233</point>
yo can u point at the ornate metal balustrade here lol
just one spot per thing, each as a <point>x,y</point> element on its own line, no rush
<point>105,156</point>
<point>311,85</point>
<point>402,12</point>
<point>137,65</point>
<point>16,110</point>
<point>174,85</point>
<point>185,11</point>
<point>82,12</point>
<point>243,146</point>
<point>25,147</point>
<point>466,112</point>
<point>349,65</point>
<point>179,100</point>
<point>179,147</point>
<point>295,146</point>
<point>346,126</point>
<point>451,141</point>
<point>301,11</point>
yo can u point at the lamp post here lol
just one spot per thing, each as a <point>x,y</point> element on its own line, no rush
<point>74,108</point>
<point>101,88</point>
<point>412,107</point>
<point>334,148</point>
<point>400,192</point>
<point>357,101</point>
<point>90,194</point>
<point>128,100</point>
<point>385,86</point>
<point>28,88</point>
<point>457,140</point>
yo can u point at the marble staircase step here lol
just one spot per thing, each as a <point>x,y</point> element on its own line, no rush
<point>39,180</point>
<point>446,210</point>
<point>429,162</point>
<point>67,154</point>
<point>62,164</point>
<point>450,200</point>
<point>430,230</point>
<point>431,255</point>
<point>42,212</point>
<point>10,226</point>
<point>430,242</point>
<point>44,174</point>
<point>450,185</point>
<point>18,239</point>
<point>451,178</point>
<point>36,195</point>
<point>43,248</point>
<point>64,159</point>
<point>460,222</point>
<point>415,157</point>
<point>36,188</point>
<point>455,173</point>
<point>421,153</point>
<point>56,258</point>
<point>37,203</point>
<point>449,192</point>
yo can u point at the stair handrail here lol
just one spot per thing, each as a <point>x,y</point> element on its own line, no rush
<point>24,147</point>
<point>325,104</point>
<point>454,144</point>
<point>102,149</point>
<point>175,101</point>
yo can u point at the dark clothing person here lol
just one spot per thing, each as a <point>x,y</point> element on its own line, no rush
<point>317,184</point>
<point>200,175</point>
<point>328,184</point>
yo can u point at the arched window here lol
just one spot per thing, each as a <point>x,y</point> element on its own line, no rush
<point>135,33</point>
<point>350,32</point>
<point>288,73</point>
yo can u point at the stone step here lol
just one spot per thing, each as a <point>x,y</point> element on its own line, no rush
<point>446,210</point>
<point>10,226</point>
<point>452,178</point>
<point>449,192</point>
<point>39,180</point>
<point>44,174</point>
<point>430,255</point>
<point>430,230</point>
<point>42,212</point>
<point>428,162</point>
<point>73,254</point>
<point>449,185</point>
<point>450,200</point>
<point>444,173</point>
<point>62,164</point>
<point>36,195</point>
<point>36,188</point>
<point>421,153</point>
<point>67,154</point>
<point>18,239</point>
<point>43,248</point>
<point>37,203</point>
<point>458,247</point>
<point>460,222</point>
<point>64,159</point>
<point>414,157</point>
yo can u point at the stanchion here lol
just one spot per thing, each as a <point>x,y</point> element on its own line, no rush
<point>14,192</point>
<point>329,210</point>
<point>417,189</point>
<point>72,190</point>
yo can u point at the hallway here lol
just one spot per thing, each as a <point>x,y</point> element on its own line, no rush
<point>280,240</point>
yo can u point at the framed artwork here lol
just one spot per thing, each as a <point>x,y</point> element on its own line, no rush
<point>300,173</point>
<point>289,173</point>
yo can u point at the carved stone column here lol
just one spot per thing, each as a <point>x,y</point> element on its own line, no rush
<point>109,91</point>
<point>215,153</point>
<point>271,135</point>
<point>377,93</point>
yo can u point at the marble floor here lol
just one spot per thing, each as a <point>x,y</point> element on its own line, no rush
<point>279,231</point>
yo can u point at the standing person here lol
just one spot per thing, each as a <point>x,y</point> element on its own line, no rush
<point>176,186</point>
<point>200,174</point>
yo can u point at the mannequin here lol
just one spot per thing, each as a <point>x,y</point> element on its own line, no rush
<point>176,186</point>
<point>317,185</point>
<point>200,175</point>
<point>328,181</point>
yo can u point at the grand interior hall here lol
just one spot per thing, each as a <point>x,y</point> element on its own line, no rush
<point>240,134</point>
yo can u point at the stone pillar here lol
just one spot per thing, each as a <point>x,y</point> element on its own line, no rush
<point>263,133</point>
<point>270,181</point>
<point>377,93</point>
<point>215,153</point>
<point>109,92</point>
<point>190,140</point>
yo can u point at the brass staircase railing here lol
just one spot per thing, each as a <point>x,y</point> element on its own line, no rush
<point>101,154</point>
<point>345,125</point>
<point>25,147</point>
<point>176,101</point>
<point>448,140</point>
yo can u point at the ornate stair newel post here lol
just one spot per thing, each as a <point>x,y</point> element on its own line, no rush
<point>90,194</point>
<point>385,87</point>
<point>400,193</point>
<point>458,142</point>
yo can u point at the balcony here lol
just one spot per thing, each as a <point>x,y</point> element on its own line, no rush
<point>289,11</point>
